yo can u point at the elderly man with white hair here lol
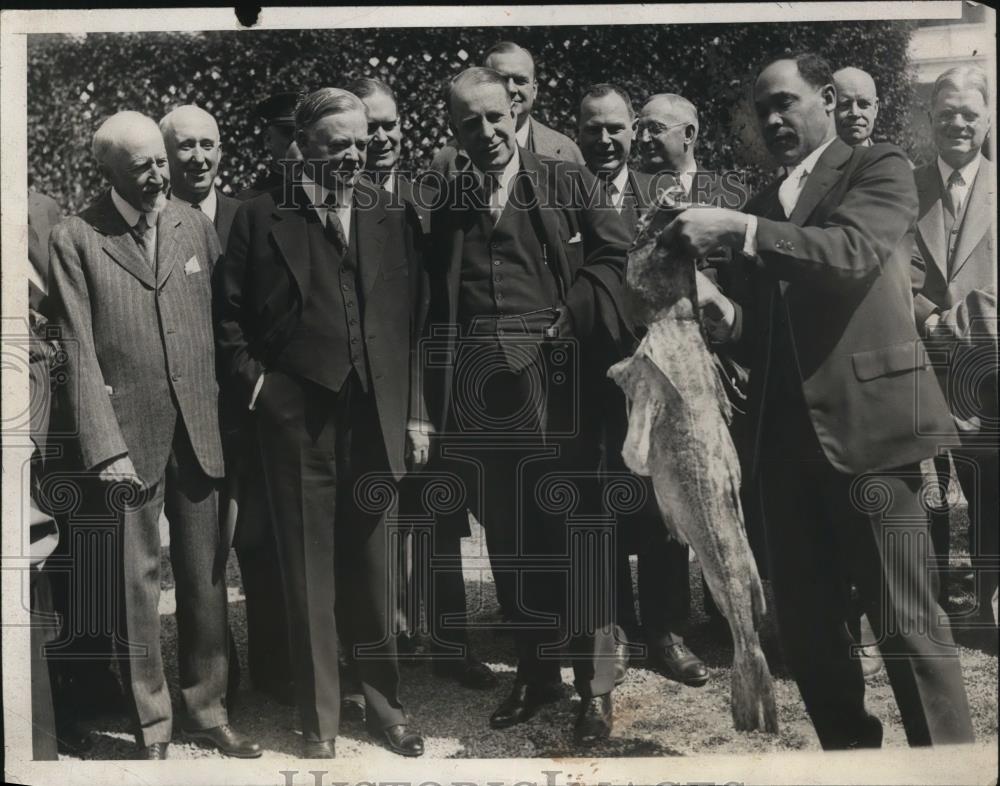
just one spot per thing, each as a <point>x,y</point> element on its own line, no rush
<point>130,281</point>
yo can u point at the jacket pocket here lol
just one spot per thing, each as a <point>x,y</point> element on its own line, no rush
<point>894,359</point>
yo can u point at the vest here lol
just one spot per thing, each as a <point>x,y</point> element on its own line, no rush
<point>329,339</point>
<point>504,272</point>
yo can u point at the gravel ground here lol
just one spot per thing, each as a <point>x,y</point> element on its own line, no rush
<point>653,716</point>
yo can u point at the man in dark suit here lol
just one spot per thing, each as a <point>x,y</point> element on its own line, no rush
<point>845,405</point>
<point>131,288</point>
<point>315,336</point>
<point>606,122</point>
<point>955,286</point>
<point>517,66</point>
<point>194,151</point>
<point>519,258</point>
<point>422,195</point>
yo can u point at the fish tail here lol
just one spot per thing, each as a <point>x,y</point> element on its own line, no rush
<point>753,701</point>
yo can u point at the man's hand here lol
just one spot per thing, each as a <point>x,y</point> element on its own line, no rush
<point>700,230</point>
<point>717,311</point>
<point>562,326</point>
<point>119,470</point>
<point>418,442</point>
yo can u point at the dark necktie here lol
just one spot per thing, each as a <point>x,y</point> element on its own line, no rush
<point>196,205</point>
<point>953,200</point>
<point>334,229</point>
<point>143,234</point>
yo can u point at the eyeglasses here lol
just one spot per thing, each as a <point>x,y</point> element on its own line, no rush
<point>655,128</point>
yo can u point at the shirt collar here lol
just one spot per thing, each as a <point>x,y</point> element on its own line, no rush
<point>318,193</point>
<point>969,171</point>
<point>808,164</point>
<point>129,213</point>
<point>208,205</point>
<point>508,171</point>
<point>521,135</point>
<point>389,182</point>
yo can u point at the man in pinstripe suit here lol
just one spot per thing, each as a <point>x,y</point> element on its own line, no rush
<point>130,283</point>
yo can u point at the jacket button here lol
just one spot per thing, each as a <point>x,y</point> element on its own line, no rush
<point>345,287</point>
<point>496,262</point>
<point>354,339</point>
<point>353,321</point>
<point>175,376</point>
<point>350,304</point>
<point>170,330</point>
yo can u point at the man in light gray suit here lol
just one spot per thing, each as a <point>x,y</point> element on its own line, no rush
<point>130,283</point>
<point>516,65</point>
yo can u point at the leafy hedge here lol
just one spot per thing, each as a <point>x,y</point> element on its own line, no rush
<point>74,82</point>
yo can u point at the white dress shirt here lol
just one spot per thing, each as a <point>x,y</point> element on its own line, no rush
<point>131,215</point>
<point>501,194</point>
<point>317,198</point>
<point>968,172</point>
<point>209,205</point>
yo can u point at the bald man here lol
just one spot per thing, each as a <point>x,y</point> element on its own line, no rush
<point>130,284</point>
<point>194,151</point>
<point>857,105</point>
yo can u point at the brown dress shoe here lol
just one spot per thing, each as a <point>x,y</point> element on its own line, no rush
<point>678,663</point>
<point>319,749</point>
<point>400,739</point>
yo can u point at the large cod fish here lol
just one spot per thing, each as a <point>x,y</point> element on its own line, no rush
<point>678,435</point>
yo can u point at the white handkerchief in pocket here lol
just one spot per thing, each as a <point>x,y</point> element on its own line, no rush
<point>192,266</point>
<point>575,239</point>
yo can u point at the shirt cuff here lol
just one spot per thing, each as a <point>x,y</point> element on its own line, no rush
<point>256,391</point>
<point>750,237</point>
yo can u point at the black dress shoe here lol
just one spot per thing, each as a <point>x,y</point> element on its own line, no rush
<point>869,734</point>
<point>319,749</point>
<point>678,663</point>
<point>523,702</point>
<point>621,663</point>
<point>468,672</point>
<point>158,750</point>
<point>226,739</point>
<point>353,707</point>
<point>400,740</point>
<point>594,721</point>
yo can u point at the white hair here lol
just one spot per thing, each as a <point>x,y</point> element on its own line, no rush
<point>111,132</point>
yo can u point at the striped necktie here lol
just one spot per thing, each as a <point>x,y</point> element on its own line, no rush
<point>143,234</point>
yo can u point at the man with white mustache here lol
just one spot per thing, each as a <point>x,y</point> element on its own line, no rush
<point>130,284</point>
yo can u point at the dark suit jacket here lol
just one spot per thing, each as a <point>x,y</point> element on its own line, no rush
<point>542,140</point>
<point>586,247</point>
<point>137,341</point>
<point>225,212</point>
<point>263,283</point>
<point>842,263</point>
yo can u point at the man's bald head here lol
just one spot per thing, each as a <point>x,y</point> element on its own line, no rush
<point>857,104</point>
<point>129,149</point>
<point>193,149</point>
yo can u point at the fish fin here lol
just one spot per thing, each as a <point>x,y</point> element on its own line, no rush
<point>752,700</point>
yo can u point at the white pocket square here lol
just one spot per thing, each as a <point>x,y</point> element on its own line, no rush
<point>192,266</point>
<point>575,239</point>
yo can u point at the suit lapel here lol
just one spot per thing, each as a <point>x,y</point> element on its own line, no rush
<point>167,247</point>
<point>289,233</point>
<point>824,175</point>
<point>930,225</point>
<point>977,219</point>
<point>371,237</point>
<point>538,184</point>
<point>118,242</point>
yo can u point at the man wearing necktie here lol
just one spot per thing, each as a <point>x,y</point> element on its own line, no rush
<point>607,123</point>
<point>194,150</point>
<point>520,257</point>
<point>955,286</point>
<point>131,289</point>
<point>316,302</point>
<point>845,406</point>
